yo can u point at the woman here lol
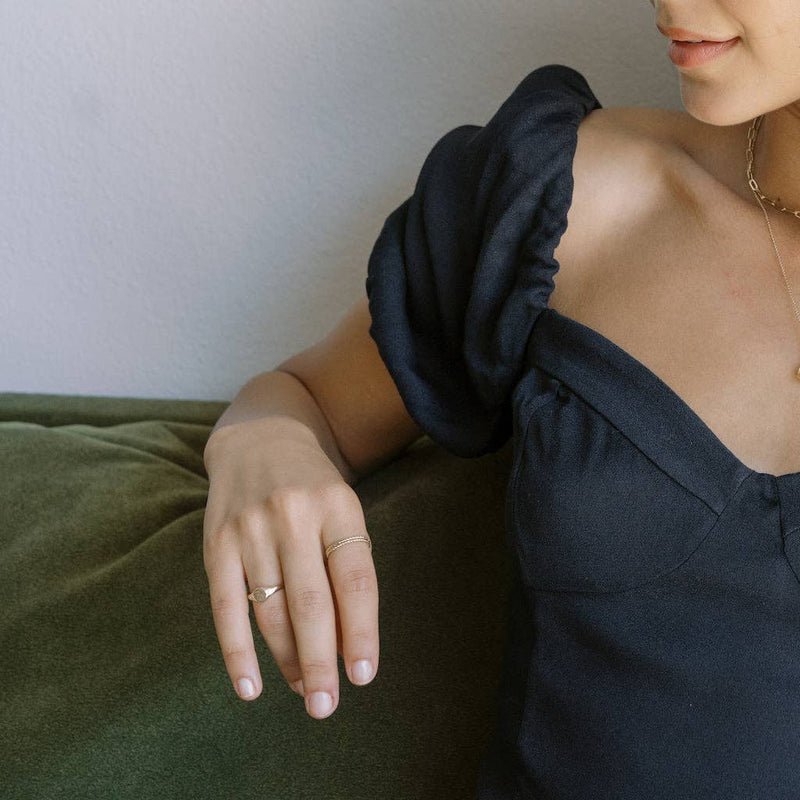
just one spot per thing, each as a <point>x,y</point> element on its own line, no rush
<point>651,392</point>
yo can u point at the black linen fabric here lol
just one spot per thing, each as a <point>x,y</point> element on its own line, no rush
<point>654,636</point>
<point>462,268</point>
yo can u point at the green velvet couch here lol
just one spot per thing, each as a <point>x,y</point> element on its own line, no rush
<point>112,684</point>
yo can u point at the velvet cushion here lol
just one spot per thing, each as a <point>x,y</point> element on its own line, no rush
<point>112,683</point>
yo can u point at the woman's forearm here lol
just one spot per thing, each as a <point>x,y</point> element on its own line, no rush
<point>280,399</point>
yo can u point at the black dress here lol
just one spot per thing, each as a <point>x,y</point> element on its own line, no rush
<point>654,647</point>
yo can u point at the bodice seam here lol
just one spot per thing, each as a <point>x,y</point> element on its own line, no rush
<point>660,467</point>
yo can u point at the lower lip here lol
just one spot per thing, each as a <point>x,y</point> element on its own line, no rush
<point>688,54</point>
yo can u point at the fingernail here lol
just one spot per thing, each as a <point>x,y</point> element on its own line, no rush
<point>320,704</point>
<point>298,687</point>
<point>362,671</point>
<point>245,688</point>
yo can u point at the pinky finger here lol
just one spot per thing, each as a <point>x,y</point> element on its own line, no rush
<point>231,610</point>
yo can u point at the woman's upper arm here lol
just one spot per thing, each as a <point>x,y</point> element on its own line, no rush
<point>346,375</point>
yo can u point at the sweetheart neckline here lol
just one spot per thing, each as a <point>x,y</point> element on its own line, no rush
<point>633,363</point>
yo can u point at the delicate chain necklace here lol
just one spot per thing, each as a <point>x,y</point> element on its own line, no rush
<point>751,140</point>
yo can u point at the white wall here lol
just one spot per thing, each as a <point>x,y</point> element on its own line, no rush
<point>189,192</point>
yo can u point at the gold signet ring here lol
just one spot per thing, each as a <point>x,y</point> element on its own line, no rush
<point>261,593</point>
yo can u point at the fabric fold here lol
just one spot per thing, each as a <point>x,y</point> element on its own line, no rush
<point>462,268</point>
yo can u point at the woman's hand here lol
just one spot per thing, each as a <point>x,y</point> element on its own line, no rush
<point>276,501</point>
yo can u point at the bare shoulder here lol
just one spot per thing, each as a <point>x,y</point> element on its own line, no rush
<point>619,169</point>
<point>623,159</point>
<point>632,166</point>
<point>631,160</point>
<point>699,149</point>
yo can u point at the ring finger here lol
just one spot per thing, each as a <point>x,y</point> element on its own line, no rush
<point>275,625</point>
<point>308,596</point>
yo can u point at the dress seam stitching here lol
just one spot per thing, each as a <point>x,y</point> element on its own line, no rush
<point>658,466</point>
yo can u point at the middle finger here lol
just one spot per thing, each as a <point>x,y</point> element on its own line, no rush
<point>356,592</point>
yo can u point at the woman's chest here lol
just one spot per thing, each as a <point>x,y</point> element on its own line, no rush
<point>617,483</point>
<point>689,286</point>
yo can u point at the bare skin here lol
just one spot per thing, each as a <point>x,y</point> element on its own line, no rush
<point>666,254</point>
<point>685,277</point>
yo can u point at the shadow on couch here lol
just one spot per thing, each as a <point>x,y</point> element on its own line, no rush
<point>112,684</point>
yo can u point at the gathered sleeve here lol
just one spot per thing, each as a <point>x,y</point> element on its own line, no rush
<point>462,268</point>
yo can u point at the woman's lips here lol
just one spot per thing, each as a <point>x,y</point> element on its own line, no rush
<point>691,54</point>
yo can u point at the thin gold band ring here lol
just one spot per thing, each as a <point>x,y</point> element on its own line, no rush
<point>331,547</point>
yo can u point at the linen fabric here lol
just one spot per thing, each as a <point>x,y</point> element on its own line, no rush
<point>654,635</point>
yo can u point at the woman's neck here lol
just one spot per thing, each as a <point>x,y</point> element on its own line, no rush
<point>776,160</point>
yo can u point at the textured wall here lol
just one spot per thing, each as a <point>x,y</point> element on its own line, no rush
<point>189,192</point>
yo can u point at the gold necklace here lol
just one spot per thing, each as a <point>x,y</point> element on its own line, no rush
<point>751,140</point>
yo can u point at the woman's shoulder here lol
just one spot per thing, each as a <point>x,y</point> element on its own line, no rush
<point>674,139</point>
<point>631,160</point>
<point>632,164</point>
<point>627,157</point>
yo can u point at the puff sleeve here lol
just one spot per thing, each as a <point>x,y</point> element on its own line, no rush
<point>462,268</point>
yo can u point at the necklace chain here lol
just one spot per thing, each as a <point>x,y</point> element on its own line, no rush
<point>751,140</point>
<point>752,135</point>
